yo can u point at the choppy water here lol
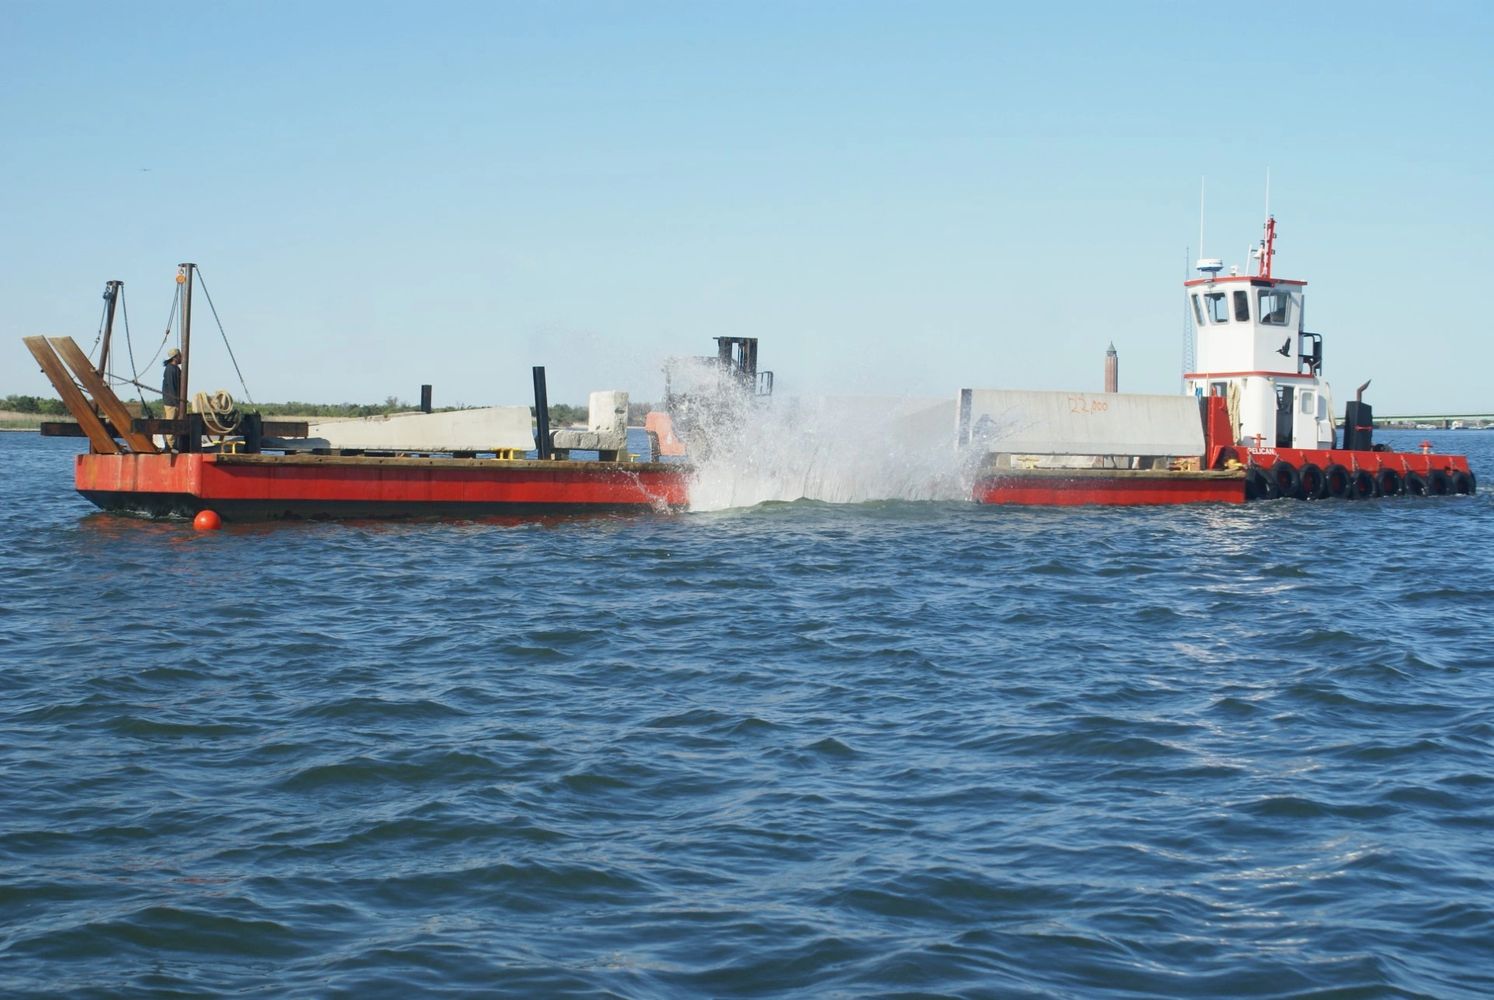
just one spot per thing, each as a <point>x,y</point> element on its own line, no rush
<point>878,749</point>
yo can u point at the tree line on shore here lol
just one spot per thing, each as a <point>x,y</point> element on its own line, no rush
<point>560,413</point>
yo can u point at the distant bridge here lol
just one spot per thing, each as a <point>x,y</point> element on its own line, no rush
<point>1445,420</point>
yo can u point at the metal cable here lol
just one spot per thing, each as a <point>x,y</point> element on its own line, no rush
<point>103,315</point>
<point>170,319</point>
<point>130,349</point>
<point>224,334</point>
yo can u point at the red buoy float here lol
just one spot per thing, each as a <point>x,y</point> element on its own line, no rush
<point>207,520</point>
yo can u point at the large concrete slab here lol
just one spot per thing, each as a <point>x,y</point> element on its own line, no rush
<point>492,428</point>
<point>1080,423</point>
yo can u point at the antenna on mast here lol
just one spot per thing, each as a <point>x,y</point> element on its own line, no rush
<point>1188,361</point>
<point>1208,266</point>
<point>1268,192</point>
<point>1201,216</point>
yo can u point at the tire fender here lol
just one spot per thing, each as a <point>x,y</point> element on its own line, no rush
<point>1336,481</point>
<point>1288,482</point>
<point>1259,485</point>
<point>1362,485</point>
<point>1314,483</point>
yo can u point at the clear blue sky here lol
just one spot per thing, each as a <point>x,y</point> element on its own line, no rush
<point>896,198</point>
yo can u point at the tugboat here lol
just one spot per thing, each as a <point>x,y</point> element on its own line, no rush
<point>1255,353</point>
<point>1256,424</point>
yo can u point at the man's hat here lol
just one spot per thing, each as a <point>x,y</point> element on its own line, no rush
<point>173,354</point>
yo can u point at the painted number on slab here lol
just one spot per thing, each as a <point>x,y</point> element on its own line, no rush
<point>1083,404</point>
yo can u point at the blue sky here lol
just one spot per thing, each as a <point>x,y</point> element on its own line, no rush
<point>896,198</point>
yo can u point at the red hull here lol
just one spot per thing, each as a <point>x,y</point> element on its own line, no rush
<point>1374,461</point>
<point>1232,475</point>
<point>1107,487</point>
<point>241,487</point>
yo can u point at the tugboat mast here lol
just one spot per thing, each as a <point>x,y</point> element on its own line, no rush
<point>1268,248</point>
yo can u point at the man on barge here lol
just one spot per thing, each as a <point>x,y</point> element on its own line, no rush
<point>171,384</point>
<point>171,394</point>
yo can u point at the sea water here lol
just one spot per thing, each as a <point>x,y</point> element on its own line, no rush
<point>893,747</point>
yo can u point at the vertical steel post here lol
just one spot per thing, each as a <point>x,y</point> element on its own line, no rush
<point>188,441</point>
<point>184,275</point>
<point>111,296</point>
<point>541,414</point>
<point>425,399</point>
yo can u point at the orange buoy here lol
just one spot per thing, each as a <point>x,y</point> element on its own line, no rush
<point>207,520</point>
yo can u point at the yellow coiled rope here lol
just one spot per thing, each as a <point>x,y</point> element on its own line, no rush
<point>220,414</point>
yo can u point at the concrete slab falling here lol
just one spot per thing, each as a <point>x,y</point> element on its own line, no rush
<point>1078,423</point>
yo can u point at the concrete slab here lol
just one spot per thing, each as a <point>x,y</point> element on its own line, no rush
<point>491,428</point>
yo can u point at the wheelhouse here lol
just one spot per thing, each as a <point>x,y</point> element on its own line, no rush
<point>1252,347</point>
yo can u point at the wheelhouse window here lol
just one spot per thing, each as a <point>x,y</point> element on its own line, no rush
<point>1217,306</point>
<point>1276,307</point>
<point>1198,310</point>
<point>1242,306</point>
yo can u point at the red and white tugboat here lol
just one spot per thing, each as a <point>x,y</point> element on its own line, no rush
<point>1257,422</point>
<point>1254,352</point>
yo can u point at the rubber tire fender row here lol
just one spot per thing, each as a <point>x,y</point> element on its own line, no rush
<point>1314,483</point>
<point>1362,485</point>
<point>1415,484</point>
<point>1439,483</point>
<point>1463,483</point>
<point>1388,483</point>
<point>1259,485</point>
<point>1288,482</point>
<point>1336,481</point>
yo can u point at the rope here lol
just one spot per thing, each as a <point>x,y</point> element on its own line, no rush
<point>219,413</point>
<point>222,333</point>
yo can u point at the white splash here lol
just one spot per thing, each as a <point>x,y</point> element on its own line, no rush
<point>832,449</point>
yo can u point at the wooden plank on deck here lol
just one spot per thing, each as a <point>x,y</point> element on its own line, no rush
<point>72,397</point>
<point>120,417</point>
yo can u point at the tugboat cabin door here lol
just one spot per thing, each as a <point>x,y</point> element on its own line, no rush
<point>1286,408</point>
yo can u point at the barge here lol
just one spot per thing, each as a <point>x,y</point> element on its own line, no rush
<point>264,486</point>
<point>465,463</point>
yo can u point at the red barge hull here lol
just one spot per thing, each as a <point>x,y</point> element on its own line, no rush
<point>270,487</point>
<point>1230,473</point>
<point>1253,474</point>
<point>1107,487</point>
